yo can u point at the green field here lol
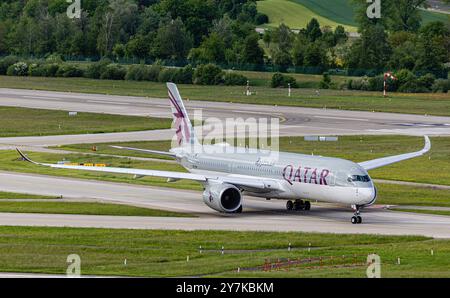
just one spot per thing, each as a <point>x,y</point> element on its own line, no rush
<point>19,196</point>
<point>164,253</point>
<point>355,148</point>
<point>36,122</point>
<point>83,208</point>
<point>389,194</point>
<point>413,103</point>
<point>297,13</point>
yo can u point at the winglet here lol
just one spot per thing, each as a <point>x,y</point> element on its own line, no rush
<point>26,158</point>
<point>427,146</point>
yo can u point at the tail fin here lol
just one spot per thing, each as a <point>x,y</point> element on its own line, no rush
<point>184,131</point>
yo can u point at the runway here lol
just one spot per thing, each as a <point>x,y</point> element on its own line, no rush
<point>294,120</point>
<point>259,215</point>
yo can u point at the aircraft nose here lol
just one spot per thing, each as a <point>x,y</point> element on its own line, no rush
<point>368,195</point>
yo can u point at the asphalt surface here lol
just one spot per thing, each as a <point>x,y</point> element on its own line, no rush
<point>295,121</point>
<point>259,214</point>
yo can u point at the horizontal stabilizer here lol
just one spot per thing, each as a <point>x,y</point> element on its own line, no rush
<point>146,151</point>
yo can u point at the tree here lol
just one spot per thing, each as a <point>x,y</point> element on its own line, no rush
<point>371,51</point>
<point>405,16</point>
<point>315,55</point>
<point>283,36</point>
<point>138,46</point>
<point>361,14</point>
<point>313,30</point>
<point>282,59</point>
<point>340,36</point>
<point>172,41</point>
<point>212,49</point>
<point>433,45</point>
<point>267,37</point>
<point>299,49</point>
<point>119,23</point>
<point>252,52</point>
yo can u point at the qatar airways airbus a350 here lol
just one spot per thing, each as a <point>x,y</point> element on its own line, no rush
<point>226,177</point>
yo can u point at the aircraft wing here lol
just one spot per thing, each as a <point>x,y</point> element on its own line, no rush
<point>241,182</point>
<point>145,151</point>
<point>381,162</point>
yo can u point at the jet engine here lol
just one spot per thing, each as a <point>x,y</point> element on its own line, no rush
<point>223,197</point>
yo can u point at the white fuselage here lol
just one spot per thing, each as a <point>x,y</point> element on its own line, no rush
<point>298,176</point>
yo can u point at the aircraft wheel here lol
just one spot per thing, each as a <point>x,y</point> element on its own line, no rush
<point>354,220</point>
<point>239,210</point>
<point>359,219</point>
<point>307,205</point>
<point>289,205</point>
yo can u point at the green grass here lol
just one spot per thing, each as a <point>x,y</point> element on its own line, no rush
<point>297,13</point>
<point>36,122</point>
<point>429,103</point>
<point>390,194</point>
<point>434,212</point>
<point>83,208</point>
<point>163,253</point>
<point>19,196</point>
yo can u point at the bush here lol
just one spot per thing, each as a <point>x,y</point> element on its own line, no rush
<point>36,70</point>
<point>261,18</point>
<point>17,69</point>
<point>427,81</point>
<point>359,84</point>
<point>377,83</point>
<point>51,69</point>
<point>234,79</point>
<point>441,85</point>
<point>6,62</point>
<point>54,58</point>
<point>113,72</point>
<point>409,83</point>
<point>69,71</point>
<point>280,80</point>
<point>404,76</point>
<point>325,83</point>
<point>184,75</point>
<point>95,70</point>
<point>137,73</point>
<point>153,72</point>
<point>208,74</point>
<point>167,75</point>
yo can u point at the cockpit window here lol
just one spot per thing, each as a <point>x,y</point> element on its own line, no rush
<point>359,178</point>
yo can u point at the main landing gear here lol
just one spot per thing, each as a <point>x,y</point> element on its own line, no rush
<point>298,205</point>
<point>357,219</point>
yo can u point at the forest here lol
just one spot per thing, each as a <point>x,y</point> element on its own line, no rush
<point>182,32</point>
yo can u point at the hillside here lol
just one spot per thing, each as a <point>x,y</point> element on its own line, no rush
<point>297,13</point>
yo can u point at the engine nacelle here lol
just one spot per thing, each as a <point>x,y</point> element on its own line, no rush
<point>223,197</point>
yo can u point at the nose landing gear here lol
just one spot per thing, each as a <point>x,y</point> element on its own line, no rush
<point>357,219</point>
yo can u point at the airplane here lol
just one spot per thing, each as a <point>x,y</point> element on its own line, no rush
<point>226,178</point>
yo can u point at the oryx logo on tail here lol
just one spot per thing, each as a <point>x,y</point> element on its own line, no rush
<point>183,128</point>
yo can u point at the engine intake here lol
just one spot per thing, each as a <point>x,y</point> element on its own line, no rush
<point>223,197</point>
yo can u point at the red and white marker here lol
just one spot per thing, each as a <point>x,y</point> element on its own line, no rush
<point>387,75</point>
